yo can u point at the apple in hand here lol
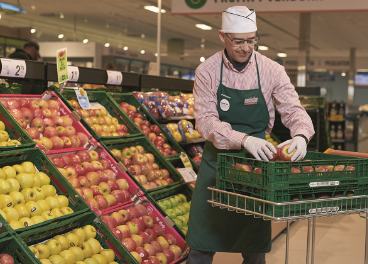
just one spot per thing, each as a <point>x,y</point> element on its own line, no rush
<point>275,156</point>
<point>284,153</point>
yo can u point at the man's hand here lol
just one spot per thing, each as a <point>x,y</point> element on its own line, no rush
<point>259,147</point>
<point>301,147</point>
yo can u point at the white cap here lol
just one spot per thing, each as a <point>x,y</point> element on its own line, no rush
<point>239,19</point>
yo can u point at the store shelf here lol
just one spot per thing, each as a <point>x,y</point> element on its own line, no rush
<point>338,140</point>
<point>166,84</point>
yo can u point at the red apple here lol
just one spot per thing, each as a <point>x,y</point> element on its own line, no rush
<point>23,103</point>
<point>126,162</point>
<point>84,156</point>
<point>75,141</point>
<point>74,182</point>
<point>58,162</point>
<point>139,222</point>
<point>57,142</point>
<point>33,103</point>
<point>43,103</point>
<point>39,124</point>
<point>157,246</point>
<point>117,233</point>
<point>284,155</point>
<point>150,249</point>
<point>67,160</point>
<point>93,177</point>
<point>84,181</point>
<point>71,130</point>
<point>75,158</point>
<point>133,212</point>
<point>113,185</point>
<point>27,114</point>
<point>79,169</point>
<point>103,177</point>
<point>54,112</point>
<point>110,175</point>
<point>49,122</point>
<point>82,138</point>
<point>13,104</point>
<point>129,244</point>
<point>46,113</point>
<point>158,229</point>
<point>119,196</point>
<point>169,255</point>
<point>101,201</point>
<point>5,103</point>
<point>170,239</point>
<point>50,132</point>
<point>109,221</point>
<point>151,233</point>
<point>92,203</point>
<point>67,142</point>
<point>33,133</point>
<point>88,193</point>
<point>154,217</point>
<point>105,164</point>
<point>142,253</point>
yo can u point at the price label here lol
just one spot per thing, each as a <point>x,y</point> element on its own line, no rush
<point>62,65</point>
<point>188,174</point>
<point>82,98</point>
<point>114,77</point>
<point>73,73</point>
<point>184,158</point>
<point>13,68</point>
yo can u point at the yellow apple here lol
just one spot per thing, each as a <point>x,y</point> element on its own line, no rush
<point>57,212</point>
<point>73,239</point>
<point>108,254</point>
<point>87,250</point>
<point>29,167</point>
<point>2,126</point>
<point>22,210</point>
<point>49,190</point>
<point>37,181</point>
<point>53,202</point>
<point>34,208</point>
<point>80,262</point>
<point>6,200</point>
<point>2,174</point>
<point>91,261</point>
<point>78,252</point>
<point>40,194</point>
<point>56,259</point>
<point>4,215</point>
<point>26,222</point>
<point>44,251</point>
<point>90,231</point>
<point>25,180</point>
<point>18,198</point>
<point>11,213</point>
<point>18,168</point>
<point>44,205</point>
<point>37,219</point>
<point>15,225</point>
<point>5,186</point>
<point>63,242</point>
<point>101,259</point>
<point>15,186</point>
<point>69,256</point>
<point>34,251</point>
<point>64,202</point>
<point>45,180</point>
<point>54,246</point>
<point>66,210</point>
<point>29,194</point>
<point>81,234</point>
<point>10,172</point>
<point>47,215</point>
<point>45,261</point>
<point>96,246</point>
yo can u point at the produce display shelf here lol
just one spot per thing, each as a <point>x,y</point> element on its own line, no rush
<point>103,99</point>
<point>13,246</point>
<point>64,111</point>
<point>193,141</point>
<point>149,148</point>
<point>178,163</point>
<point>175,118</point>
<point>43,164</point>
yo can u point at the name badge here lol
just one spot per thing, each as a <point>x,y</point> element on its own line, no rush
<point>224,105</point>
<point>251,101</point>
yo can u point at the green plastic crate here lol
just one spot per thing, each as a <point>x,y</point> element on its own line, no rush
<point>15,131</point>
<point>149,148</point>
<point>159,195</point>
<point>104,235</point>
<point>113,109</point>
<point>13,246</point>
<point>14,88</point>
<point>178,163</point>
<point>130,99</point>
<point>62,186</point>
<point>312,102</point>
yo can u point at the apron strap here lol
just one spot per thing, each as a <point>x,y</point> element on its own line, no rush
<point>222,63</point>
<point>259,81</point>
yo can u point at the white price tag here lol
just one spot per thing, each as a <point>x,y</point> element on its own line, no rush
<point>114,77</point>
<point>324,210</point>
<point>322,184</point>
<point>73,73</point>
<point>188,174</point>
<point>13,68</point>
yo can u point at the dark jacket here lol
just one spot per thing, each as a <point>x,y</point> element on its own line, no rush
<point>20,54</point>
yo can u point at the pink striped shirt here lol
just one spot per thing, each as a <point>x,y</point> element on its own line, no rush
<point>275,86</point>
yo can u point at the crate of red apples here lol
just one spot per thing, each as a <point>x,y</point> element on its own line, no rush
<point>147,235</point>
<point>97,177</point>
<point>48,121</point>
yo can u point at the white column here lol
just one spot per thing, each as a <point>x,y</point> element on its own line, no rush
<point>352,71</point>
<point>304,44</point>
<point>158,59</point>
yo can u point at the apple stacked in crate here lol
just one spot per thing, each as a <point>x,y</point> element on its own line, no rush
<point>27,198</point>
<point>100,121</point>
<point>190,101</point>
<point>4,137</point>
<point>143,167</point>
<point>78,246</point>
<point>6,259</point>
<point>196,151</point>
<point>142,234</point>
<point>188,133</point>
<point>93,178</point>
<point>44,123</point>
<point>177,208</point>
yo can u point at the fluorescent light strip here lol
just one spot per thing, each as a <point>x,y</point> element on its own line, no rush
<point>282,55</point>
<point>203,27</point>
<point>262,48</point>
<point>154,9</point>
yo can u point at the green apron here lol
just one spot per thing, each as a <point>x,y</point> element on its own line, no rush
<point>220,230</point>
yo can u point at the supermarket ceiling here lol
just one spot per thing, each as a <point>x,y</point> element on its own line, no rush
<point>127,23</point>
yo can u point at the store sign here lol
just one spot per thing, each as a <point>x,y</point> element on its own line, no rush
<point>73,73</point>
<point>62,65</point>
<point>13,68</point>
<point>320,63</point>
<point>181,7</point>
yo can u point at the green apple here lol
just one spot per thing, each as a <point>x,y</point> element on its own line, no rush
<point>173,201</point>
<point>26,222</point>
<point>29,167</point>
<point>162,205</point>
<point>96,246</point>
<point>178,199</point>
<point>56,259</point>
<point>171,213</point>
<point>34,208</point>
<point>2,174</point>
<point>4,215</point>
<point>25,180</point>
<point>101,259</point>
<point>87,249</point>
<point>81,234</point>
<point>37,181</point>
<point>66,210</point>
<point>44,205</point>
<point>37,219</point>
<point>178,223</point>
<point>109,254</point>
<point>47,215</point>
<point>79,253</point>
<point>57,212</point>
<point>10,172</point>
<point>183,197</point>
<point>29,194</point>
<point>18,168</point>
<point>178,211</point>
<point>18,198</point>
<point>45,180</point>
<point>11,213</point>
<point>40,194</point>
<point>54,246</point>
<point>6,200</point>
<point>183,219</point>
<point>64,202</point>
<point>5,186</point>
<point>53,202</point>
<point>186,206</point>
<point>69,256</point>
<point>34,251</point>
<point>73,239</point>
<point>44,251</point>
<point>91,261</point>
<point>185,228</point>
<point>183,209</point>
<point>167,203</point>
<point>63,241</point>
<point>15,186</point>
<point>90,231</point>
<point>49,190</point>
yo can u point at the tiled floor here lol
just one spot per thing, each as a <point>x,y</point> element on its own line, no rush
<point>339,240</point>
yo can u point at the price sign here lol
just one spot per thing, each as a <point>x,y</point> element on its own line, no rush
<point>62,66</point>
<point>114,77</point>
<point>184,158</point>
<point>13,68</point>
<point>82,98</point>
<point>73,73</point>
<point>188,174</point>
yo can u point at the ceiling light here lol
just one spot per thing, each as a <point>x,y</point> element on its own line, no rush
<point>203,40</point>
<point>154,9</point>
<point>33,30</point>
<point>282,55</point>
<point>262,48</point>
<point>85,41</point>
<point>143,36</point>
<point>143,51</point>
<point>202,46</point>
<point>33,7</point>
<point>156,54</point>
<point>343,74</point>
<point>126,48</point>
<point>203,27</point>
<point>107,44</point>
<point>61,15</point>
<point>61,36</point>
<point>202,59</point>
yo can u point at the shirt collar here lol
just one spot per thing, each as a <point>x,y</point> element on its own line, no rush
<point>229,66</point>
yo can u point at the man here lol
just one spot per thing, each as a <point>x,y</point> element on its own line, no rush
<point>30,51</point>
<point>234,92</point>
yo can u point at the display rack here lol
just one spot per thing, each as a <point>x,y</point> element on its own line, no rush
<point>165,84</point>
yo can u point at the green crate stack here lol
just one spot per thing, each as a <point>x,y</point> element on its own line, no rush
<point>14,88</point>
<point>106,238</point>
<point>130,99</point>
<point>43,164</point>
<point>15,131</point>
<point>13,246</point>
<point>277,183</point>
<point>111,107</point>
<point>109,145</point>
<point>157,198</point>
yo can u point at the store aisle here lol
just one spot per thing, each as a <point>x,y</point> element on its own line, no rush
<point>338,240</point>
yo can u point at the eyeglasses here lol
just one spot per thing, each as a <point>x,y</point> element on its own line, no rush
<point>239,42</point>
